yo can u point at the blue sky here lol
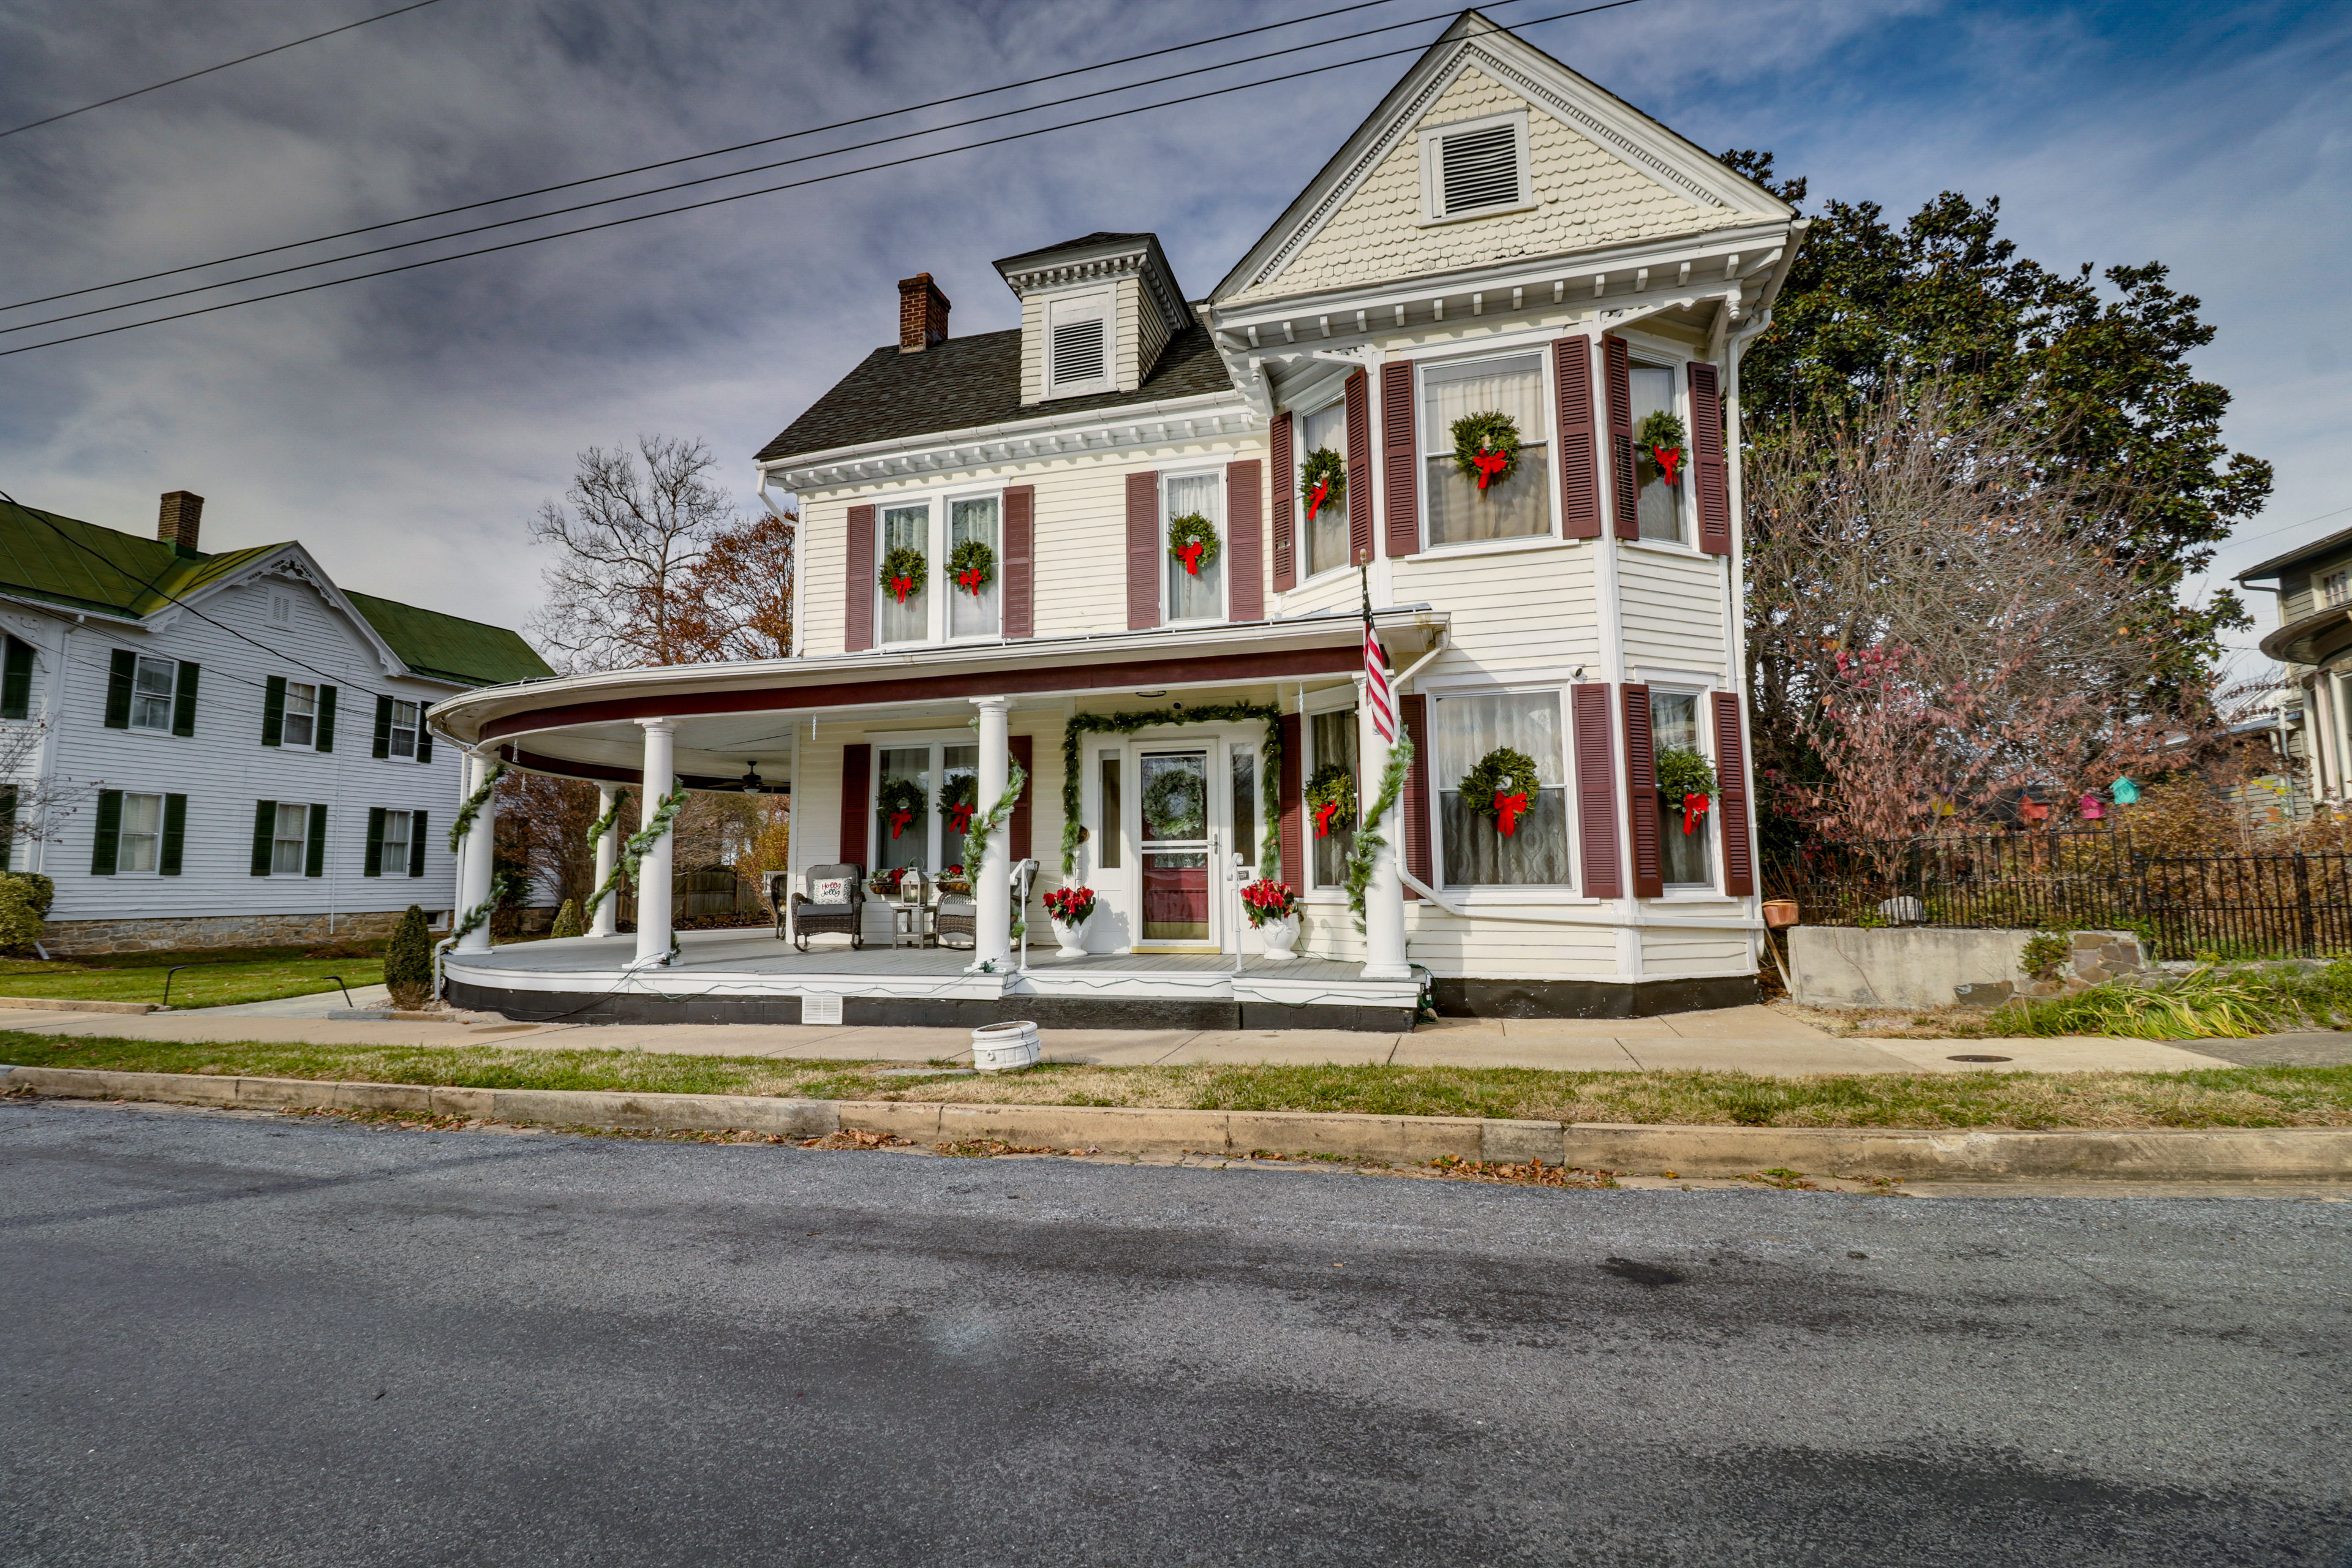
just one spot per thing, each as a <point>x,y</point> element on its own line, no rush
<point>406,427</point>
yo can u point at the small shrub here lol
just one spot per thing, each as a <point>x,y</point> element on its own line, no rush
<point>43,891</point>
<point>20,919</point>
<point>408,961</point>
<point>567,920</point>
<point>2044,952</point>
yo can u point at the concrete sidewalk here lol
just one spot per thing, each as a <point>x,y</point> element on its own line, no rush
<point>1745,1040</point>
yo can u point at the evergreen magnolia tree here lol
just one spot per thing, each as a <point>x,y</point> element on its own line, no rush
<point>408,961</point>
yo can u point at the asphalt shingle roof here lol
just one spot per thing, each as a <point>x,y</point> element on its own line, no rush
<point>965,383</point>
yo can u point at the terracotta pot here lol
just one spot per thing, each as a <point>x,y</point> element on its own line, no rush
<point>1779,913</point>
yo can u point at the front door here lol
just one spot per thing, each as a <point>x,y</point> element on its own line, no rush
<point>1173,844</point>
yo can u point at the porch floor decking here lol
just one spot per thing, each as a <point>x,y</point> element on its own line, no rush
<point>758,953</point>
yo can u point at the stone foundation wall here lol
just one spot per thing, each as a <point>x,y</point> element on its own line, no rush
<point>69,937</point>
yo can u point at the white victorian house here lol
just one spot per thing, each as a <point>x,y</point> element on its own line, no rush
<point>1132,542</point>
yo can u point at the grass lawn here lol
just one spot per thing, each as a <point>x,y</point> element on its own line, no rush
<point>215,978</point>
<point>2221,1097</point>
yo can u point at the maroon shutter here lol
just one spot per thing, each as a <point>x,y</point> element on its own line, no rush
<point>1286,489</point>
<point>1596,791</point>
<point>1399,457</point>
<point>856,783</point>
<point>1024,749</point>
<point>857,619</point>
<point>1579,476</point>
<point>1707,460</point>
<point>1019,588</point>
<point>1731,778</point>
<point>1142,551</point>
<point>1642,793</point>
<point>1294,840</point>
<point>1245,529</point>
<point>1414,712</point>
<point>1360,468</point>
<point>1617,379</point>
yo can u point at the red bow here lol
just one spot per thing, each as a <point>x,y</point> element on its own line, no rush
<point>1190,556</point>
<point>1508,808</point>
<point>1669,458</point>
<point>959,817</point>
<point>1489,465</point>
<point>902,587</point>
<point>1317,497</point>
<point>1323,818</point>
<point>899,820</point>
<point>972,580</point>
<point>1694,808</point>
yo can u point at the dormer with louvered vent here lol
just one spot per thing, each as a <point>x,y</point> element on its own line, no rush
<point>1094,314</point>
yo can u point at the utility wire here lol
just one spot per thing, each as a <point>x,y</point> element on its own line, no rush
<point>714,153</point>
<point>769,190</point>
<point>710,179</point>
<point>275,49</point>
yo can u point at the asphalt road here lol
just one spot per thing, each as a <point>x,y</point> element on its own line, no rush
<point>259,1341</point>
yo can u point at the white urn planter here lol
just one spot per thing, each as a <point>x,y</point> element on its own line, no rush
<point>1281,937</point>
<point>1072,937</point>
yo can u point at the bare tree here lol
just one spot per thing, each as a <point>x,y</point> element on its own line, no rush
<point>1934,621</point>
<point>33,810</point>
<point>739,598</point>
<point>638,527</point>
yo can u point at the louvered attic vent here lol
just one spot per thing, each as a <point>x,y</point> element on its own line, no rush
<point>1479,169</point>
<point>1077,352</point>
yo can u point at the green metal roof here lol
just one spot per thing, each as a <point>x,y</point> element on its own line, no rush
<point>76,565</point>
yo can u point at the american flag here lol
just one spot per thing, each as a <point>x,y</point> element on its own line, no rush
<point>1378,693</point>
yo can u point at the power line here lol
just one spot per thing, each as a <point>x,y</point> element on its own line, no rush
<point>275,49</point>
<point>767,190</point>
<point>712,179</point>
<point>721,151</point>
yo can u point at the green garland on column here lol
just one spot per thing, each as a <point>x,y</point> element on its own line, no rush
<point>975,842</point>
<point>473,806</point>
<point>604,822</point>
<point>633,850</point>
<point>1369,841</point>
<point>1127,723</point>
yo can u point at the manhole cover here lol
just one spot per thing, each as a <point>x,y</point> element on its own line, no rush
<point>1978,1058</point>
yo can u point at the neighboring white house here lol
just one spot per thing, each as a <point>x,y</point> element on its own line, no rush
<point>1501,237</point>
<point>226,749</point>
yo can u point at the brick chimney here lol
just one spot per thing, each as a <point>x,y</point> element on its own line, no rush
<point>176,522</point>
<point>922,314</point>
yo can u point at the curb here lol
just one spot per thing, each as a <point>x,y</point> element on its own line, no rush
<point>62,1005</point>
<point>2300,1153</point>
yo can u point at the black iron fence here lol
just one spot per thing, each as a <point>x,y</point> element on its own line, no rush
<point>2185,906</point>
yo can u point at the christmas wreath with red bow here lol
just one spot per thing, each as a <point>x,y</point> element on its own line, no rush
<point>1486,448</point>
<point>1193,539</point>
<point>971,566</point>
<point>1502,787</point>
<point>1322,480</point>
<point>1686,779</point>
<point>901,804</point>
<point>1662,435</point>
<point>959,798</point>
<point>902,573</point>
<point>1331,799</point>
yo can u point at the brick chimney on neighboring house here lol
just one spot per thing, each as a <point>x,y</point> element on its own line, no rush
<point>176,522</point>
<point>922,314</point>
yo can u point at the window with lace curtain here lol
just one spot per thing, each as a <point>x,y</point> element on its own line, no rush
<point>1477,852</point>
<point>1459,512</point>
<point>1193,596</point>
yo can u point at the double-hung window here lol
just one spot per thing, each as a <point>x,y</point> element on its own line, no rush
<point>1196,589</point>
<point>138,848</point>
<point>152,687</point>
<point>2335,589</point>
<point>939,598</point>
<point>1659,505</point>
<point>1519,507</point>
<point>1471,727</point>
<point>974,614</point>
<point>1323,538</point>
<point>289,837</point>
<point>907,597</point>
<point>920,792</point>
<point>1682,839</point>
<point>301,727</point>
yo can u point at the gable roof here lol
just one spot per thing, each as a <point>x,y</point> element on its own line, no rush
<point>52,559</point>
<point>2301,555</point>
<point>966,383</point>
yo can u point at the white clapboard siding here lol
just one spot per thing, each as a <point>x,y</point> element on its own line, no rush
<point>1512,610</point>
<point>1671,951</point>
<point>1672,608</point>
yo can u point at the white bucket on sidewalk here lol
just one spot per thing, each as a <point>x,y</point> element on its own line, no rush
<point>999,1047</point>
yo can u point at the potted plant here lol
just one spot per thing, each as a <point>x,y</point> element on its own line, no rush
<point>1069,908</point>
<point>1272,909</point>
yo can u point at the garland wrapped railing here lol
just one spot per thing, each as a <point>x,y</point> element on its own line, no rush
<point>1127,723</point>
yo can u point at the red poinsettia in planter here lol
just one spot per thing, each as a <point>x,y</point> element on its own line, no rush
<point>1272,909</point>
<point>1069,909</point>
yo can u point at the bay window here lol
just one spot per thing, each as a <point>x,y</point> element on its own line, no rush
<point>1194,595</point>
<point>1458,511</point>
<point>1684,857</point>
<point>1469,728</point>
<point>1659,505</point>
<point>1323,539</point>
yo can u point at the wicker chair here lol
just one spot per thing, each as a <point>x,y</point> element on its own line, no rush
<point>958,914</point>
<point>810,919</point>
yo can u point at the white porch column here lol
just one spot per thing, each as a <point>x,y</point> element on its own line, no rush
<point>990,880</point>
<point>1384,956</point>
<point>608,852</point>
<point>653,870</point>
<point>473,854</point>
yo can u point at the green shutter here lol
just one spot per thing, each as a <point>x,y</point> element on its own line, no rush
<point>323,727</point>
<point>7,827</point>
<point>375,866</point>
<point>383,726</point>
<point>118,688</point>
<point>314,859</point>
<point>183,704</point>
<point>17,681</point>
<point>175,834</point>
<point>265,828</point>
<point>110,833</point>
<point>273,711</point>
<point>417,844</point>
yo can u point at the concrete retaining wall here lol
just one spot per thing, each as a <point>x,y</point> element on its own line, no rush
<point>1914,967</point>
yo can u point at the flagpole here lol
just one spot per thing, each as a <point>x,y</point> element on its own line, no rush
<point>1376,736</point>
